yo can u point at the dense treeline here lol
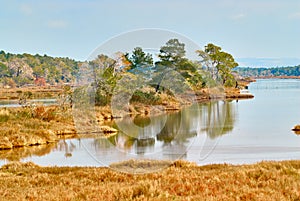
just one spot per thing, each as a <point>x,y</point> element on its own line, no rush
<point>268,72</point>
<point>213,68</point>
<point>22,69</point>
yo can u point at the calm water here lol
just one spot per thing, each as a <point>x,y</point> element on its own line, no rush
<point>243,131</point>
<point>15,103</point>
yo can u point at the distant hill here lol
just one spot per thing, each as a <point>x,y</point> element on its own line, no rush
<point>267,62</point>
<point>24,69</point>
<point>27,69</point>
<point>268,72</point>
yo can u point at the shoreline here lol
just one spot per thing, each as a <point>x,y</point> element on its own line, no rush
<point>37,125</point>
<point>276,77</point>
<point>35,131</point>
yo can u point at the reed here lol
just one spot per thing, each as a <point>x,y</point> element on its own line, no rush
<point>179,181</point>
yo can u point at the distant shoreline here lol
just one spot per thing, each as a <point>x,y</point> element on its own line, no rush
<point>276,77</point>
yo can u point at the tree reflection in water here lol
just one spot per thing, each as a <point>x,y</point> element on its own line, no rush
<point>167,136</point>
<point>219,118</point>
<point>17,154</point>
<point>173,133</point>
<point>67,147</point>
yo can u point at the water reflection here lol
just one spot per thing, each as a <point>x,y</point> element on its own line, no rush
<point>166,136</point>
<point>17,154</point>
<point>66,146</point>
<point>220,118</point>
<point>245,132</point>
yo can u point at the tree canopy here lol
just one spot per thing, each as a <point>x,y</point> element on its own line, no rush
<point>268,72</point>
<point>140,59</point>
<point>172,53</point>
<point>21,69</point>
<point>220,63</point>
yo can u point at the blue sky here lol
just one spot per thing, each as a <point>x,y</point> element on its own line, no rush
<point>74,28</point>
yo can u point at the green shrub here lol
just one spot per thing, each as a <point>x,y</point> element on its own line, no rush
<point>4,115</point>
<point>4,118</point>
<point>145,97</point>
<point>28,94</point>
<point>102,100</point>
<point>230,82</point>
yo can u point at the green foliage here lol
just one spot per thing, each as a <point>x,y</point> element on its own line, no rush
<point>172,56</point>
<point>173,52</point>
<point>140,59</point>
<point>4,115</point>
<point>102,99</point>
<point>28,94</point>
<point>106,76</point>
<point>22,68</point>
<point>145,97</point>
<point>230,81</point>
<point>103,72</point>
<point>278,71</point>
<point>4,71</point>
<point>4,118</point>
<point>218,62</point>
<point>2,55</point>
<point>20,81</point>
<point>8,81</point>
<point>192,73</point>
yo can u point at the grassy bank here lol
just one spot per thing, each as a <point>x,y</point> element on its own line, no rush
<point>27,126</point>
<point>181,181</point>
<point>36,124</point>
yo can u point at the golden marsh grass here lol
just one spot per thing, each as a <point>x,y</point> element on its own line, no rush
<point>180,181</point>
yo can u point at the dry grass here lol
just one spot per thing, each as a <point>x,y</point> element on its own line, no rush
<point>39,125</point>
<point>181,181</point>
<point>35,92</point>
<point>32,126</point>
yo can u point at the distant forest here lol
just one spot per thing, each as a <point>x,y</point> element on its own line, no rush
<point>26,69</point>
<point>268,72</point>
<point>18,70</point>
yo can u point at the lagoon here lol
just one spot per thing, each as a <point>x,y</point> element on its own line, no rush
<point>237,132</point>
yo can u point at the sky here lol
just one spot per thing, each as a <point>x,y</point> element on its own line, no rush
<point>75,28</point>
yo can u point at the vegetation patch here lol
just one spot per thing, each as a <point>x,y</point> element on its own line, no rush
<point>150,97</point>
<point>39,125</point>
<point>179,181</point>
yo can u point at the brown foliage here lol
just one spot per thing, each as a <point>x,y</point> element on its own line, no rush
<point>43,113</point>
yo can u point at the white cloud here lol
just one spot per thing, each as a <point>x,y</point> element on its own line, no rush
<point>57,24</point>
